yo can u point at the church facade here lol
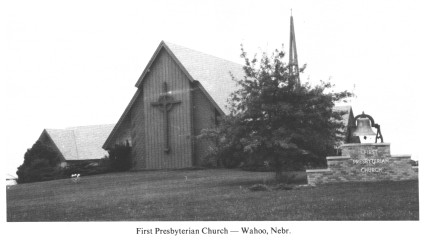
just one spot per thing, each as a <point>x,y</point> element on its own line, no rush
<point>180,92</point>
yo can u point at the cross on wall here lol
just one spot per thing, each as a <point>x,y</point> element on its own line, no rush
<point>165,103</point>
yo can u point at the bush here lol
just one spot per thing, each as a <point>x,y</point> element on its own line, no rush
<point>41,163</point>
<point>120,158</point>
<point>223,152</point>
<point>86,168</point>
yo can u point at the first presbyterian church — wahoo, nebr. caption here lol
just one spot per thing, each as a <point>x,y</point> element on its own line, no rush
<point>180,92</point>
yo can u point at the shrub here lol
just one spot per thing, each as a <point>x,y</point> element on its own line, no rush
<point>41,163</point>
<point>120,158</point>
<point>85,168</point>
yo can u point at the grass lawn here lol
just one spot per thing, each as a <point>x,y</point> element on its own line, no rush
<point>206,195</point>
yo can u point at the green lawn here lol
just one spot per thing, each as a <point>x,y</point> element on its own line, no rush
<point>206,195</point>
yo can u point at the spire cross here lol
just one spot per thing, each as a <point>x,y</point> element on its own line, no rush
<point>165,103</point>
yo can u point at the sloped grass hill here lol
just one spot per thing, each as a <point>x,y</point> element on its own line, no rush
<point>206,195</point>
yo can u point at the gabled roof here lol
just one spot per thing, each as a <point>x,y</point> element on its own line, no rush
<point>121,120</point>
<point>346,116</point>
<point>212,75</point>
<point>81,143</point>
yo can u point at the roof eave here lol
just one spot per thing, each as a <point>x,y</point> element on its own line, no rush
<point>152,60</point>
<point>54,144</point>
<point>191,79</point>
<point>210,98</point>
<point>121,120</point>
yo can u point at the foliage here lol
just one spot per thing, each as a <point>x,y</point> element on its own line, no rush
<point>120,158</point>
<point>86,168</point>
<point>223,153</point>
<point>275,121</point>
<point>41,163</point>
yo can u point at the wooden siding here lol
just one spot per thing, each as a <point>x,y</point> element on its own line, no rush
<point>164,69</point>
<point>123,133</point>
<point>203,118</point>
<point>138,134</point>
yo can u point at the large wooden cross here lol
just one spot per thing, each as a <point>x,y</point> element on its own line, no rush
<point>165,103</point>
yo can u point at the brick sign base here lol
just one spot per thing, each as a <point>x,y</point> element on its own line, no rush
<point>364,162</point>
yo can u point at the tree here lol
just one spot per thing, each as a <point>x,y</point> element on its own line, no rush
<point>41,163</point>
<point>275,121</point>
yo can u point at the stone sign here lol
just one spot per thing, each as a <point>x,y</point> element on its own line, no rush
<point>364,162</point>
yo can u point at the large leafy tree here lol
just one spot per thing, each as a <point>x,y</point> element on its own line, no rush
<point>276,121</point>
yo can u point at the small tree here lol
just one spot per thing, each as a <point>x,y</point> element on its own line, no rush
<point>120,158</point>
<point>41,162</point>
<point>274,121</point>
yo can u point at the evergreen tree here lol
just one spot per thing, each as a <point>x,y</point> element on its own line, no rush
<point>41,162</point>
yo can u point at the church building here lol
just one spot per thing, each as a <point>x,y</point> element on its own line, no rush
<point>77,145</point>
<point>180,92</point>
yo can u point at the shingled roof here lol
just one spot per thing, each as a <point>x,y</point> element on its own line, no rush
<point>80,143</point>
<point>213,73</point>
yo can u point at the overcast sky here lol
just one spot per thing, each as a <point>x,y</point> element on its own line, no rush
<point>75,63</point>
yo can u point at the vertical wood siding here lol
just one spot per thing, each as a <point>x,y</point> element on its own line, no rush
<point>138,134</point>
<point>203,117</point>
<point>151,123</point>
<point>123,133</point>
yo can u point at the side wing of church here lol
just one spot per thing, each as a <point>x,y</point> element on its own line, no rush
<point>180,92</point>
<point>76,145</point>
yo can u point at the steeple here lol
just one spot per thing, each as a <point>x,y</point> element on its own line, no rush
<point>293,57</point>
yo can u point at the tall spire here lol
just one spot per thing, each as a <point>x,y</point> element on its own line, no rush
<point>293,57</point>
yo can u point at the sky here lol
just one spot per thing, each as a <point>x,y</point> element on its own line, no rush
<point>76,63</point>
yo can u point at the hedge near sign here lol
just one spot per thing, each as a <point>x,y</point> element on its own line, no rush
<point>364,162</point>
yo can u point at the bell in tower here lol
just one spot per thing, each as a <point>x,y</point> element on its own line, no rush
<point>364,127</point>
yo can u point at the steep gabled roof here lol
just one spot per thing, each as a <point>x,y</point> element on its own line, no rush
<point>122,118</point>
<point>212,75</point>
<point>64,141</point>
<point>81,143</point>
